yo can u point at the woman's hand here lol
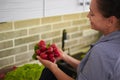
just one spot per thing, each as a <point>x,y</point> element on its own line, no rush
<point>59,74</point>
<point>46,63</point>
<point>62,54</point>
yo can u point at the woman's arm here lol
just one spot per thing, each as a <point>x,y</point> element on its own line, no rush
<point>59,74</point>
<point>70,60</point>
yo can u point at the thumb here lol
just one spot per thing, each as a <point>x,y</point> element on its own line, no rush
<point>39,58</point>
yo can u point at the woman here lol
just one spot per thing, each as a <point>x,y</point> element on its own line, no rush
<point>102,62</point>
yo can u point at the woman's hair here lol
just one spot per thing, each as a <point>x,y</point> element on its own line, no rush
<point>109,8</point>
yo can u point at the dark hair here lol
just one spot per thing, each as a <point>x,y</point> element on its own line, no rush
<point>109,8</point>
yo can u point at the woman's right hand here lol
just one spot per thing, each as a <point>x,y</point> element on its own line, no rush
<point>62,54</point>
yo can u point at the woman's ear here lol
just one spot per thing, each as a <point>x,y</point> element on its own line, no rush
<point>112,20</point>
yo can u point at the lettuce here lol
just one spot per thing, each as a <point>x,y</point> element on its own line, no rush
<point>25,72</point>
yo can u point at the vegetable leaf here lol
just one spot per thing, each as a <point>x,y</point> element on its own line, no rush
<point>25,72</point>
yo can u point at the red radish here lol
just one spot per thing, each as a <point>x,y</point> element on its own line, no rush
<point>50,55</point>
<point>43,55</point>
<point>43,48</point>
<point>53,46</point>
<point>50,49</point>
<point>2,76</point>
<point>52,59</point>
<point>38,52</point>
<point>41,43</point>
<point>50,52</point>
<point>57,54</point>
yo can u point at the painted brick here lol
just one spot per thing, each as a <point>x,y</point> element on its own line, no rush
<point>72,30</point>
<point>6,61</point>
<point>50,34</point>
<point>76,35</point>
<point>31,46</point>
<point>21,62</point>
<point>5,26</point>
<point>89,32</point>
<point>62,25</point>
<point>84,27</point>
<point>40,29</point>
<point>13,51</point>
<point>6,44</point>
<point>12,34</point>
<point>77,48</point>
<point>23,57</point>
<point>84,14</point>
<point>26,23</point>
<point>71,43</point>
<point>71,17</point>
<point>79,22</point>
<point>57,40</point>
<point>26,40</point>
<point>52,19</point>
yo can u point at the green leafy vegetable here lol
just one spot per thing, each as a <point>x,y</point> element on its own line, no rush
<point>34,56</point>
<point>25,72</point>
<point>36,47</point>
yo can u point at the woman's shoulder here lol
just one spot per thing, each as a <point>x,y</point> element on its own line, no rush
<point>106,49</point>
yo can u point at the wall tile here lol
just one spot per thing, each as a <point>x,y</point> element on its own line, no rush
<point>89,32</point>
<point>71,43</point>
<point>62,25</point>
<point>26,23</point>
<point>79,22</point>
<point>6,44</point>
<point>5,26</point>
<point>85,27</point>
<point>50,34</point>
<point>84,14</point>
<point>57,40</point>
<point>40,29</point>
<point>22,57</point>
<point>76,35</point>
<point>13,51</point>
<point>52,19</point>
<point>6,61</point>
<point>12,34</point>
<point>72,30</point>
<point>31,45</point>
<point>26,40</point>
<point>71,16</point>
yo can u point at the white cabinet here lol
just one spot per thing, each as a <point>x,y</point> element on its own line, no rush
<point>20,9</point>
<point>11,10</point>
<point>60,7</point>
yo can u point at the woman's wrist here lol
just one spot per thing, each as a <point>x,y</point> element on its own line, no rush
<point>64,56</point>
<point>52,66</point>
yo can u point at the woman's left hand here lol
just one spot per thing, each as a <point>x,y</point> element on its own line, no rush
<point>46,63</point>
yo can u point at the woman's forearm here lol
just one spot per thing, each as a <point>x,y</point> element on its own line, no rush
<point>70,60</point>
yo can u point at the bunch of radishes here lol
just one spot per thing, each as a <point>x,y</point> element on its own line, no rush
<point>46,51</point>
